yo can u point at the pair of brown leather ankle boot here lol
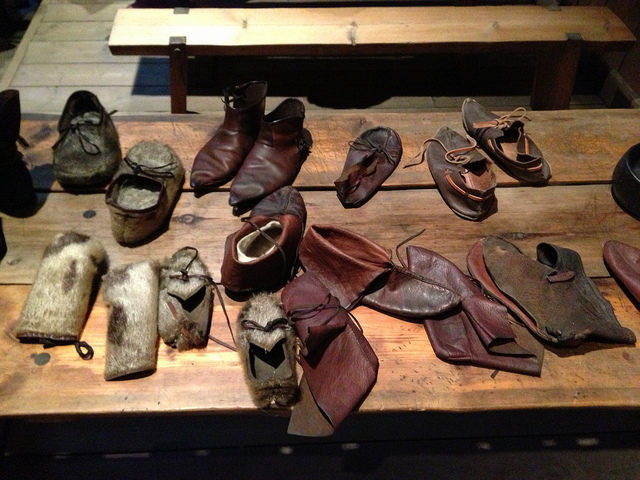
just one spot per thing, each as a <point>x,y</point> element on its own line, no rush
<point>260,152</point>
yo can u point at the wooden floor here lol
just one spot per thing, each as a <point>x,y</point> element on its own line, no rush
<point>65,49</point>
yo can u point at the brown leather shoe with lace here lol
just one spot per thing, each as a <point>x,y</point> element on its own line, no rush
<point>504,140</point>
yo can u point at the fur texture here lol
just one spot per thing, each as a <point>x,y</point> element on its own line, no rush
<point>132,335</point>
<point>57,305</point>
<point>267,354</point>
<point>185,304</point>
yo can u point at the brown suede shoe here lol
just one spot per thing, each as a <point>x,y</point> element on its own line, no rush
<point>372,158</point>
<point>504,140</point>
<point>275,159</point>
<point>623,261</point>
<point>263,253</point>
<point>143,192</point>
<point>220,158</point>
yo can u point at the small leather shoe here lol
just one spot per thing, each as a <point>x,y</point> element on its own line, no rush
<point>623,261</point>
<point>625,183</point>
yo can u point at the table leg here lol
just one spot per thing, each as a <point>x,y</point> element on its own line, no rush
<point>178,74</point>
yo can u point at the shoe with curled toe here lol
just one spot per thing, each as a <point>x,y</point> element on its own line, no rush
<point>503,138</point>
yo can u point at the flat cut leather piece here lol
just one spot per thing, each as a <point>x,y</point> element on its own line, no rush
<point>371,159</point>
<point>480,331</point>
<point>625,182</point>
<point>504,140</point>
<point>623,261</point>
<point>568,308</point>
<point>465,179</point>
<point>341,373</point>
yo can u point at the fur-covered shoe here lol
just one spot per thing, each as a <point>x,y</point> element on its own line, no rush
<point>56,309</point>
<point>185,301</point>
<point>266,345</point>
<point>144,191</point>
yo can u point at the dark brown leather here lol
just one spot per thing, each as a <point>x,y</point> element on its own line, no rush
<point>371,159</point>
<point>504,140</point>
<point>17,196</point>
<point>355,269</point>
<point>275,158</point>
<point>625,182</point>
<point>340,369</point>
<point>462,174</point>
<point>623,261</point>
<point>555,292</point>
<point>480,332</point>
<point>272,270</point>
<point>220,158</point>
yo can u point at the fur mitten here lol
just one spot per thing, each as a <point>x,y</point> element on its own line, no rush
<point>185,301</point>
<point>266,345</point>
<point>56,309</point>
<point>132,335</point>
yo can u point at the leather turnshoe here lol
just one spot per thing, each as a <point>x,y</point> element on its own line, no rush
<point>275,158</point>
<point>16,186</point>
<point>266,345</point>
<point>554,292</point>
<point>220,158</point>
<point>88,150</point>
<point>624,263</point>
<point>462,174</point>
<point>372,158</point>
<point>144,191</point>
<point>185,300</point>
<point>340,367</point>
<point>263,253</point>
<point>356,270</point>
<point>625,183</point>
<point>480,332</point>
<point>503,138</point>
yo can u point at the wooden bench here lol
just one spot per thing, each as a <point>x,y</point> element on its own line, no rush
<point>556,36</point>
<point>576,210</point>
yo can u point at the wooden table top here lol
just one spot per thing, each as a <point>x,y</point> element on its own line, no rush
<point>575,210</point>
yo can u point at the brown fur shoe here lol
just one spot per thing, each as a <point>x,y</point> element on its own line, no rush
<point>266,345</point>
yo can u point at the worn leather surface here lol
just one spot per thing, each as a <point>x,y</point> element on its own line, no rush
<point>465,181</point>
<point>275,158</point>
<point>555,292</point>
<point>480,332</point>
<point>625,182</point>
<point>506,143</point>
<point>220,158</point>
<point>342,368</point>
<point>371,159</point>
<point>271,271</point>
<point>623,261</point>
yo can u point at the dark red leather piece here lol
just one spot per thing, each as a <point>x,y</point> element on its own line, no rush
<point>623,261</point>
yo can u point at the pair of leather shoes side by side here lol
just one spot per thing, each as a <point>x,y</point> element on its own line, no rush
<point>143,192</point>
<point>275,158</point>
<point>17,196</point>
<point>220,158</point>
<point>263,253</point>
<point>503,138</point>
<point>185,302</point>
<point>87,152</point>
<point>625,182</point>
<point>266,347</point>
<point>371,159</point>
<point>462,174</point>
<point>623,261</point>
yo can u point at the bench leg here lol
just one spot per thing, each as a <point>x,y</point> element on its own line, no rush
<point>178,74</point>
<point>555,77</point>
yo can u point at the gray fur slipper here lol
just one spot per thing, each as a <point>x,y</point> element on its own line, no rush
<point>266,345</point>
<point>56,308</point>
<point>132,336</point>
<point>185,301</point>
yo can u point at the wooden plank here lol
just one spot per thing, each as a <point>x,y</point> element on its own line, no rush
<point>70,31</point>
<point>86,52</point>
<point>291,31</point>
<point>580,217</point>
<point>75,12</point>
<point>410,377</point>
<point>582,146</point>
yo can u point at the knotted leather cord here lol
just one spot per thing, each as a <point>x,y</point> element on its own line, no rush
<point>86,354</point>
<point>505,121</point>
<point>75,128</point>
<point>271,325</point>
<point>184,276</point>
<point>158,172</point>
<point>364,145</point>
<point>274,242</point>
<point>454,156</point>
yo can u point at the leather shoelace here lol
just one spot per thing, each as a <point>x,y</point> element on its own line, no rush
<point>455,156</point>
<point>76,127</point>
<point>159,171</point>
<point>366,145</point>
<point>505,121</point>
<point>85,351</point>
<point>185,276</point>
